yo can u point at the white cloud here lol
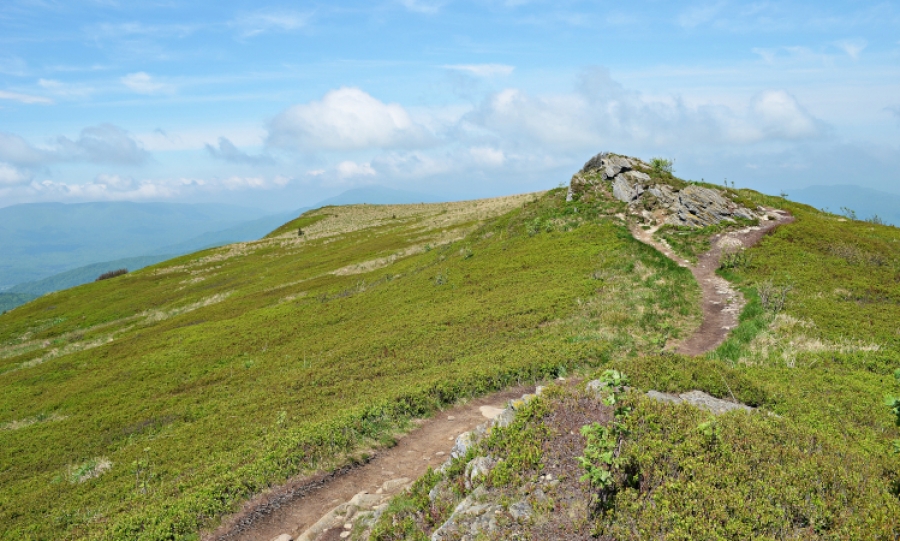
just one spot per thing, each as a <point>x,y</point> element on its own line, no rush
<point>18,151</point>
<point>97,144</point>
<point>230,153</point>
<point>346,119</point>
<point>101,144</point>
<point>423,6</point>
<point>24,98</point>
<point>852,47</point>
<point>482,70</point>
<point>602,112</point>
<point>142,83</point>
<point>349,169</point>
<point>253,24</point>
<point>487,156</point>
<point>11,176</point>
<point>781,117</point>
<point>113,187</point>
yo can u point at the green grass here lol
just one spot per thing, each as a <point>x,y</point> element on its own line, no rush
<point>817,461</point>
<point>206,379</point>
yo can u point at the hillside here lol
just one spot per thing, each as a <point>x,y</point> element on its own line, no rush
<point>151,405</point>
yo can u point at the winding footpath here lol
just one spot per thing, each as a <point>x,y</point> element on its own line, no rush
<point>721,303</point>
<point>318,508</point>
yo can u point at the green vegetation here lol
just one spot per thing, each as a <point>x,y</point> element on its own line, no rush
<point>173,393</point>
<point>662,165</point>
<point>602,460</point>
<point>816,351</point>
<point>148,406</point>
<point>111,274</point>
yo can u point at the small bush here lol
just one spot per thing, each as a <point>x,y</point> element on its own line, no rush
<point>662,165</point>
<point>111,274</point>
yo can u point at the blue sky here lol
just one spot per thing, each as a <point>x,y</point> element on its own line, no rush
<point>279,105</point>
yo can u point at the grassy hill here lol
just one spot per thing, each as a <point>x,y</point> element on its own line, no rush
<point>148,405</point>
<point>817,462</point>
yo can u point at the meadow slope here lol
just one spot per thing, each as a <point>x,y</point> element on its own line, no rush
<point>149,405</point>
<point>815,353</point>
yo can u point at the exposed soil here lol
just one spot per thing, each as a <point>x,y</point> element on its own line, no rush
<point>721,303</point>
<point>296,506</point>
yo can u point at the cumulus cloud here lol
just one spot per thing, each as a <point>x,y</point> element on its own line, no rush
<point>24,98</point>
<point>487,156</point>
<point>230,153</point>
<point>106,144</point>
<point>482,70</point>
<point>12,176</point>
<point>601,111</point>
<point>102,144</point>
<point>346,119</point>
<point>350,169</point>
<point>143,83</point>
<point>18,151</point>
<point>781,117</point>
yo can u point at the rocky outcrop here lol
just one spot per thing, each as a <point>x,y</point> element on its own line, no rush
<point>679,203</point>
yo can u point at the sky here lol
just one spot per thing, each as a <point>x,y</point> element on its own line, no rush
<point>279,105</point>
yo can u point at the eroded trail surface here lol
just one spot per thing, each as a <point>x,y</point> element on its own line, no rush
<point>721,303</point>
<point>311,508</point>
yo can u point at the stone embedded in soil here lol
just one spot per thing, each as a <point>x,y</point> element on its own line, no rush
<point>700,400</point>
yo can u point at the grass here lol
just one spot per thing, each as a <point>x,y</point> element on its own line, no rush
<point>815,463</point>
<point>177,391</point>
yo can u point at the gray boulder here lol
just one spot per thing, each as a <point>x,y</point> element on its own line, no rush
<point>692,205</point>
<point>477,469</point>
<point>701,400</point>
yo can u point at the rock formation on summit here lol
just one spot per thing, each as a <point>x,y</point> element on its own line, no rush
<point>637,183</point>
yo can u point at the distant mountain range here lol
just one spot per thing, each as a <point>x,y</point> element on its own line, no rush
<point>865,202</point>
<point>52,246</point>
<point>42,239</point>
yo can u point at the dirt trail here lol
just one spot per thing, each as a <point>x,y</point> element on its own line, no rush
<point>721,303</point>
<point>297,506</point>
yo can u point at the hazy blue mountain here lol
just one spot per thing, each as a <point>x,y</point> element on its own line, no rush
<point>251,230</point>
<point>42,239</point>
<point>83,275</point>
<point>379,195</point>
<point>864,202</point>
